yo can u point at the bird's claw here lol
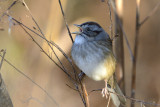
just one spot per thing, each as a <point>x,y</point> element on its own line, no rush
<point>105,92</point>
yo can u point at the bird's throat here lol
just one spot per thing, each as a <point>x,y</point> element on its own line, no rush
<point>79,39</point>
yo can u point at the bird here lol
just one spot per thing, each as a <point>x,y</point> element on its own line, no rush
<point>92,53</point>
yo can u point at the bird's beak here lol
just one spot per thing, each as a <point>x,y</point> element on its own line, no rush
<point>77,25</point>
<point>80,29</point>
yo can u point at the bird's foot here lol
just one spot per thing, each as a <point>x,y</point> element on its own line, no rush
<point>105,92</point>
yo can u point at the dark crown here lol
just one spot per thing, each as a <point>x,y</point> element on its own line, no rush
<point>91,23</point>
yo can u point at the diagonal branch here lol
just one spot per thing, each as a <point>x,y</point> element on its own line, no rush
<point>150,14</point>
<point>73,81</point>
<point>4,52</point>
<point>19,71</point>
<point>23,2</point>
<point>14,2</point>
<point>82,95</point>
<point>65,21</point>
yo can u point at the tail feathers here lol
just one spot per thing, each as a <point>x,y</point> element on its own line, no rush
<point>121,95</point>
<point>114,98</point>
<point>116,95</point>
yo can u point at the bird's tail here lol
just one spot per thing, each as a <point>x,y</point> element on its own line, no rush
<point>116,93</point>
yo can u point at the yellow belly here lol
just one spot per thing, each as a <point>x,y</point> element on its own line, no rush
<point>103,70</point>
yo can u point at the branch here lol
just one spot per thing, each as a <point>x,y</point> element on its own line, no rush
<point>14,2</point>
<point>82,95</point>
<point>36,100</point>
<point>19,71</point>
<point>23,2</point>
<point>65,21</point>
<point>46,53</point>
<point>150,14</point>
<point>129,98</point>
<point>22,25</point>
<point>124,34</point>
<point>110,16</point>
<point>136,44</point>
<point>76,77</point>
<point>80,90</point>
<point>4,52</point>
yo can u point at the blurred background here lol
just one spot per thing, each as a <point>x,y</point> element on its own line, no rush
<point>26,55</point>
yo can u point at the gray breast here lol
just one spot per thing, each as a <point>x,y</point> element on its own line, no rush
<point>87,55</point>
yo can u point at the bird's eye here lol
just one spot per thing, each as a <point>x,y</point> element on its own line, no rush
<point>88,29</point>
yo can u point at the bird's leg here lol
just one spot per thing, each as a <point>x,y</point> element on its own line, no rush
<point>105,90</point>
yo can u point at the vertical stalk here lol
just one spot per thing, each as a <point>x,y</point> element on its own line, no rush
<point>119,47</point>
<point>136,43</point>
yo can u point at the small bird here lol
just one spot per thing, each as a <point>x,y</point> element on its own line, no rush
<point>92,53</point>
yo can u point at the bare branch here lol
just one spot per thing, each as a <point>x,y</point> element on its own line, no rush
<point>34,99</point>
<point>21,24</point>
<point>86,95</point>
<point>65,21</point>
<point>110,16</point>
<point>76,75</point>
<point>4,52</point>
<point>136,44</point>
<point>19,71</point>
<point>42,33</point>
<point>129,98</point>
<point>124,34</point>
<point>47,53</point>
<point>150,14</point>
<point>14,2</point>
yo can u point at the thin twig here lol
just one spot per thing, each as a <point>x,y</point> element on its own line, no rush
<point>76,75</point>
<point>42,33</point>
<point>71,87</point>
<point>4,52</point>
<point>51,42</point>
<point>46,53</point>
<point>65,21</point>
<point>73,81</point>
<point>129,98</point>
<point>150,14</point>
<point>86,95</point>
<point>19,71</point>
<point>110,16</point>
<point>119,46</point>
<point>34,99</point>
<point>136,44</point>
<point>21,24</point>
<point>76,85</point>
<point>14,2</point>
<point>124,34</point>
